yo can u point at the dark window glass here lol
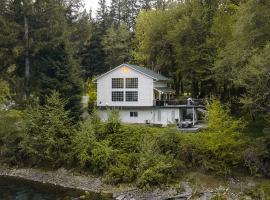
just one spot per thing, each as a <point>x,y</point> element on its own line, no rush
<point>131,82</point>
<point>133,114</point>
<point>118,96</point>
<point>117,83</point>
<point>131,95</point>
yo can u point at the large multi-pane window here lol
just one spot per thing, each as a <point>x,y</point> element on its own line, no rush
<point>131,95</point>
<point>117,96</point>
<point>117,83</point>
<point>131,82</point>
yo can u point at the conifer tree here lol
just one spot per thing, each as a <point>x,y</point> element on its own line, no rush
<point>103,15</point>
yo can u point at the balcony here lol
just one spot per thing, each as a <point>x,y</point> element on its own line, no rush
<point>197,102</point>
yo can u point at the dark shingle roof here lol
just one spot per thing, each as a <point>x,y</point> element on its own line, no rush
<point>147,72</point>
<point>143,70</point>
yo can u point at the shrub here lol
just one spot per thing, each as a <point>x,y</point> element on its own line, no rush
<point>10,136</point>
<point>217,152</point>
<point>120,174</point>
<point>255,158</point>
<point>97,125</point>
<point>260,191</point>
<point>161,170</point>
<point>83,143</point>
<point>48,133</point>
<point>113,123</point>
<point>219,197</point>
<point>155,168</point>
<point>219,118</point>
<point>102,156</point>
<point>4,91</point>
<point>169,142</point>
<point>128,138</point>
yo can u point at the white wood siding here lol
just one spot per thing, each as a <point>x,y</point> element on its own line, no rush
<point>167,115</point>
<point>104,88</point>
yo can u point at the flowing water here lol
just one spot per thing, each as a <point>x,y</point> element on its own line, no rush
<point>17,189</point>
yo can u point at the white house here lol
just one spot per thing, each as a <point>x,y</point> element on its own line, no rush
<point>141,96</point>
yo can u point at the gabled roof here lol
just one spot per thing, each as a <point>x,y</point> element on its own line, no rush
<point>164,90</point>
<point>143,70</point>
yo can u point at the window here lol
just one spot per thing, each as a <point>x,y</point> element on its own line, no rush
<point>118,96</point>
<point>117,83</point>
<point>133,114</point>
<point>131,95</point>
<point>131,82</point>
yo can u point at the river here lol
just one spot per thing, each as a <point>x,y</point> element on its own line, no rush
<point>17,189</point>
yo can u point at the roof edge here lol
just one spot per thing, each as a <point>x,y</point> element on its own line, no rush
<point>130,66</point>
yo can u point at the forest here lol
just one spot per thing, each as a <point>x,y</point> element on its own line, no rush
<point>50,50</point>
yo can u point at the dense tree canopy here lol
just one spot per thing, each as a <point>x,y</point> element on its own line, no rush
<point>218,50</point>
<point>217,47</point>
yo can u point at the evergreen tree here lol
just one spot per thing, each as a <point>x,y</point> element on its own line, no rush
<point>92,54</point>
<point>117,46</point>
<point>103,15</point>
<point>115,12</point>
<point>48,133</point>
<point>145,4</point>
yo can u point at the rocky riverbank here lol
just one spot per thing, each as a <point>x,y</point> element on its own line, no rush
<point>188,188</point>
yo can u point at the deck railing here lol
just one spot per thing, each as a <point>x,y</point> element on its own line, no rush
<point>178,102</point>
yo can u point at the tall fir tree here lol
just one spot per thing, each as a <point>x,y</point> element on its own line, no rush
<point>103,15</point>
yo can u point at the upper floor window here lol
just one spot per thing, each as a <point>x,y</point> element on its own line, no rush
<point>117,96</point>
<point>131,82</point>
<point>117,83</point>
<point>131,95</point>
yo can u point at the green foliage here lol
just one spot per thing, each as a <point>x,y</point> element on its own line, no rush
<point>84,142</point>
<point>4,91</point>
<point>219,118</point>
<point>120,173</point>
<point>48,133</point>
<point>217,152</point>
<point>219,197</point>
<point>116,44</point>
<point>260,191</point>
<point>10,136</point>
<point>102,157</point>
<point>90,90</point>
<point>113,122</point>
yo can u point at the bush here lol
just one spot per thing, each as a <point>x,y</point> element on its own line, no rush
<point>48,134</point>
<point>260,191</point>
<point>102,156</point>
<point>256,156</point>
<point>219,118</point>
<point>4,91</point>
<point>10,136</point>
<point>84,142</point>
<point>113,123</point>
<point>216,152</point>
<point>219,197</point>
<point>161,170</point>
<point>120,174</point>
<point>128,138</point>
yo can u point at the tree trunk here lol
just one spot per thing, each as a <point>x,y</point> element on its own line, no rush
<point>27,63</point>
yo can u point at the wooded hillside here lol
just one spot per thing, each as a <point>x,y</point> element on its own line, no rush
<point>214,47</point>
<point>218,49</point>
